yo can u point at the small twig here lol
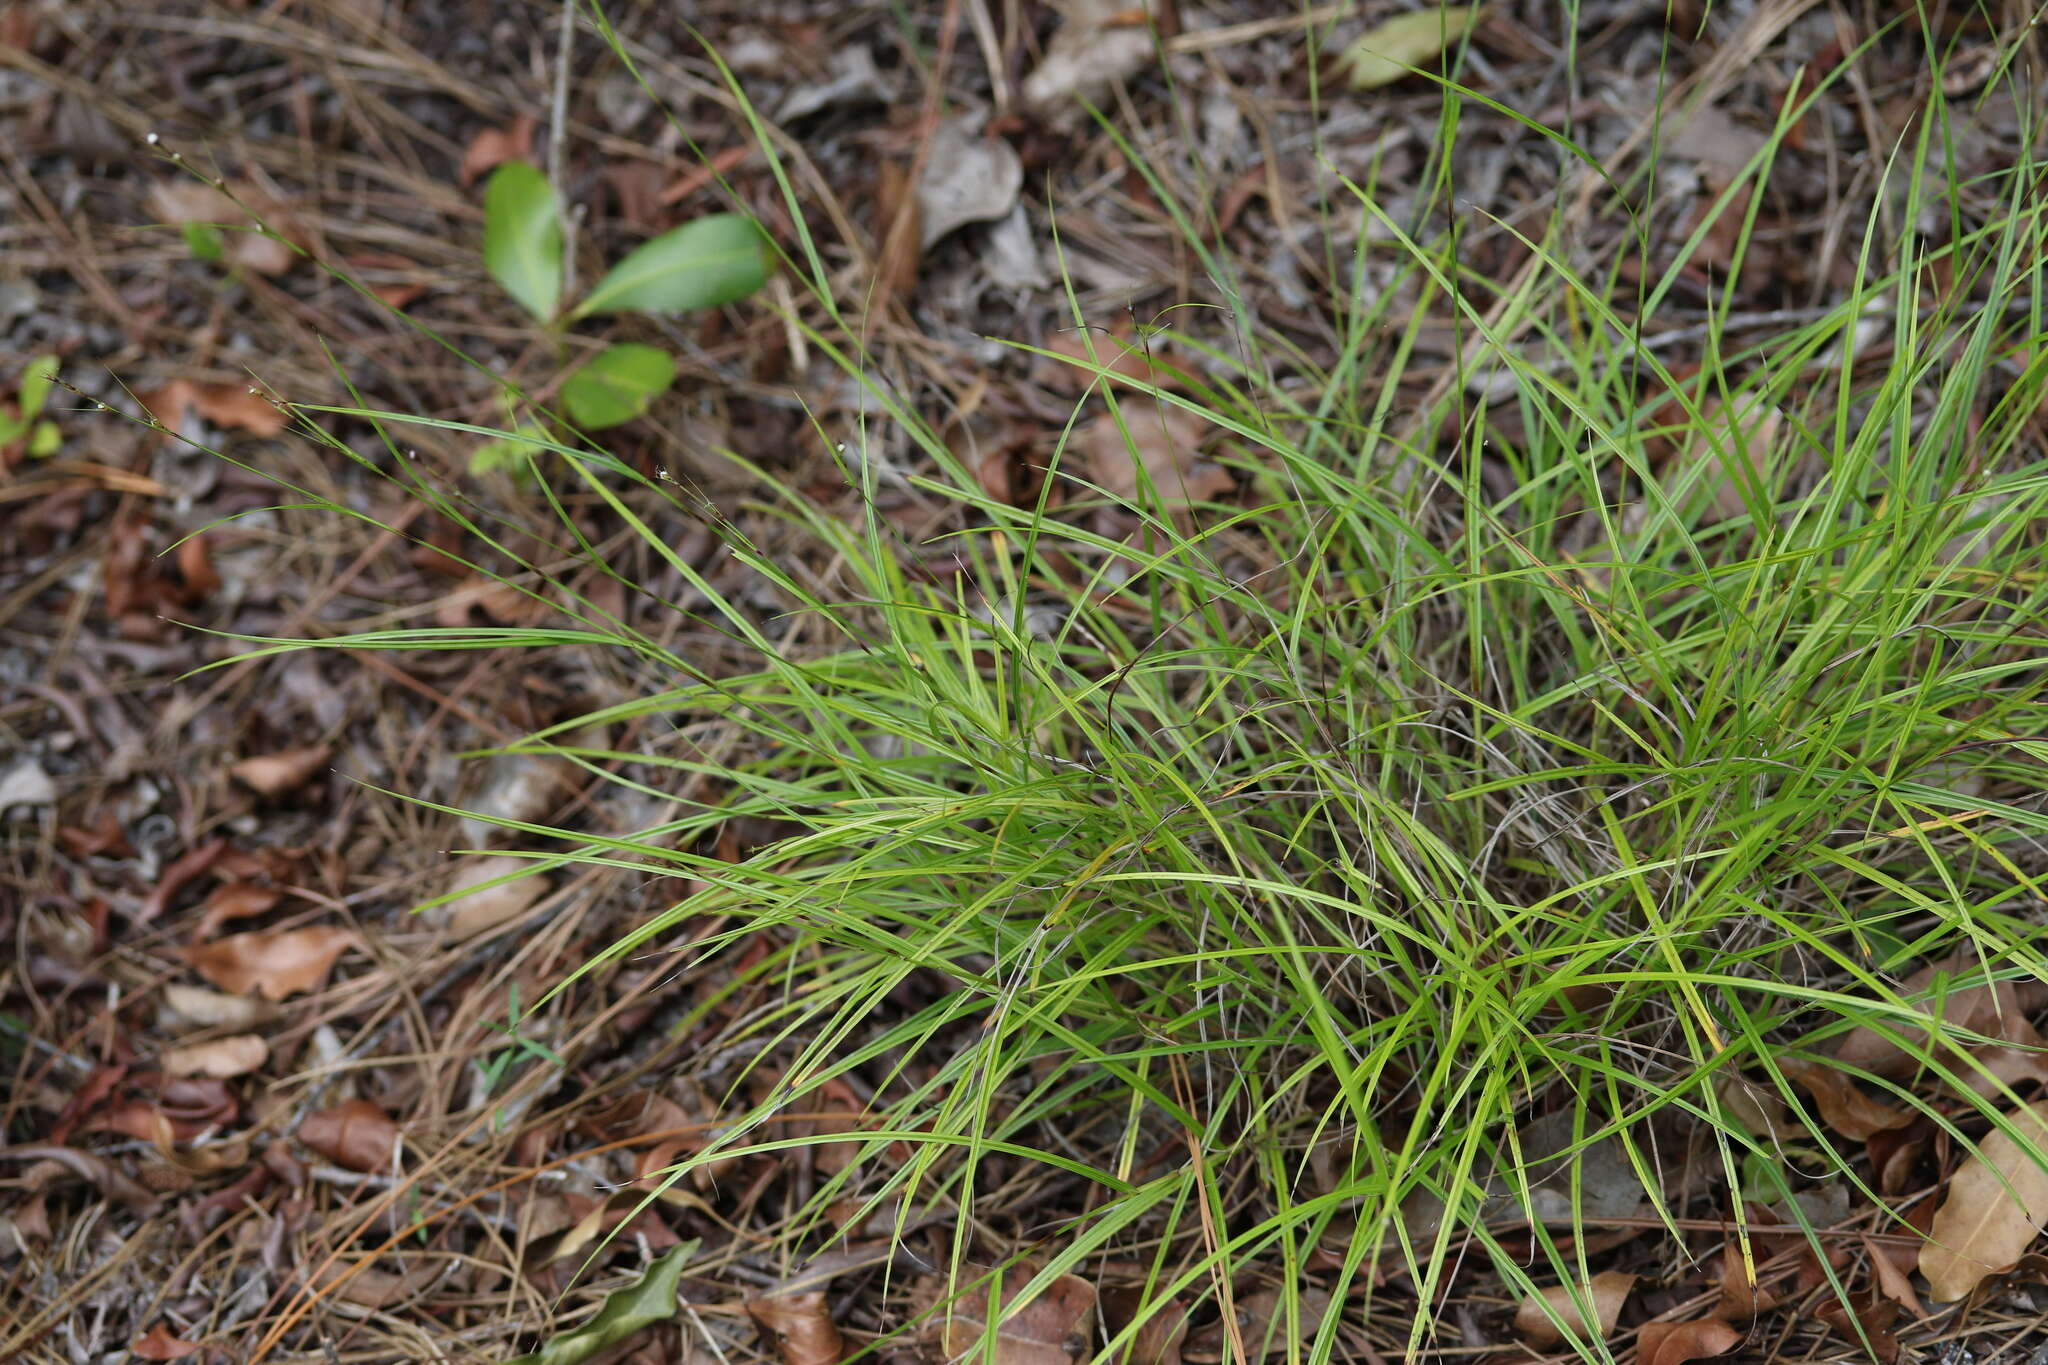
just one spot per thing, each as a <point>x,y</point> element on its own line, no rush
<point>558,141</point>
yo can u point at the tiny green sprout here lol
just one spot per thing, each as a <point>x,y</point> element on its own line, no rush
<point>37,434</point>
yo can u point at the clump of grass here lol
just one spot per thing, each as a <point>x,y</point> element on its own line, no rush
<point>1244,885</point>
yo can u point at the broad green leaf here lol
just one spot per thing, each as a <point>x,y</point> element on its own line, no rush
<point>628,1310</point>
<point>204,241</point>
<point>1390,51</point>
<point>618,385</point>
<point>36,380</point>
<point>44,443</point>
<point>701,264</point>
<point>523,237</point>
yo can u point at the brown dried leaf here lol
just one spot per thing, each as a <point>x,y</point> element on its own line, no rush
<point>231,901</point>
<point>230,406</point>
<point>1873,1315</point>
<point>90,1167</point>
<point>1053,1329</point>
<point>1674,1343</point>
<point>1843,1106</point>
<point>1997,1202</point>
<point>479,912</point>
<point>272,965</point>
<point>275,774</point>
<point>1893,1269</point>
<point>492,147</point>
<point>158,1343</point>
<point>184,201</point>
<point>1995,1011</point>
<point>1164,441</point>
<point>356,1134</point>
<point>219,1059</point>
<point>801,1325</point>
<point>1605,1293</point>
<point>1158,1338</point>
<point>1262,1320</point>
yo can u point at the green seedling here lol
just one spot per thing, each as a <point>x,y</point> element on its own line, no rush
<point>495,1068</point>
<point>26,426</point>
<point>710,261</point>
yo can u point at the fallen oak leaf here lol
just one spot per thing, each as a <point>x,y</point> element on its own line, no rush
<point>158,1343</point>
<point>1674,1343</point>
<point>1997,1203</point>
<point>801,1325</point>
<point>1539,1315</point>
<point>1843,1106</point>
<point>356,1134</point>
<point>273,965</point>
<point>1995,1010</point>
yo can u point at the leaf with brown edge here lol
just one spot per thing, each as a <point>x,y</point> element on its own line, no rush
<point>272,965</point>
<point>356,1134</point>
<point>1052,1329</point>
<point>1997,1203</point>
<point>801,1325</point>
<point>1843,1106</point>
<point>1674,1343</point>
<point>1538,1317</point>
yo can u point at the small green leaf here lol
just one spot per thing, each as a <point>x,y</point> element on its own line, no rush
<point>618,385</point>
<point>523,237</point>
<point>12,428</point>
<point>203,240</point>
<point>36,380</point>
<point>701,264</point>
<point>1405,42</point>
<point>624,1313</point>
<point>513,452</point>
<point>44,442</point>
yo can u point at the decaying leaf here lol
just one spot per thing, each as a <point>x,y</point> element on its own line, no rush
<point>493,147</point>
<point>1099,43</point>
<point>1164,441</point>
<point>275,774</point>
<point>1052,1329</point>
<point>87,1166</point>
<point>1158,1338</point>
<point>182,201</point>
<point>1997,1203</point>
<point>1604,1294</point>
<point>1262,1320</point>
<point>1865,1319</point>
<point>628,1310</point>
<point>160,1343</point>
<point>197,1007</point>
<point>356,1134</point>
<point>273,965</point>
<point>221,1058</point>
<point>1894,1275</point>
<point>1995,1011</point>
<point>229,406</point>
<point>478,912</point>
<point>801,1325</point>
<point>1407,41</point>
<point>1674,1343</point>
<point>231,901</point>
<point>1843,1106</point>
<point>967,178</point>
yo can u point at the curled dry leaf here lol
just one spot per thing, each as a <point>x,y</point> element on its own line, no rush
<point>1163,441</point>
<point>1537,1317</point>
<point>197,1007</point>
<point>1099,43</point>
<point>89,1167</point>
<point>801,1325</point>
<point>1995,1011</point>
<point>1843,1106</point>
<point>967,178</point>
<point>272,965</point>
<point>231,901</point>
<point>1997,1202</point>
<point>1052,1329</point>
<point>1674,1343</point>
<point>275,774</point>
<point>229,406</point>
<point>219,1059</point>
<point>356,1134</point>
<point>479,912</point>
